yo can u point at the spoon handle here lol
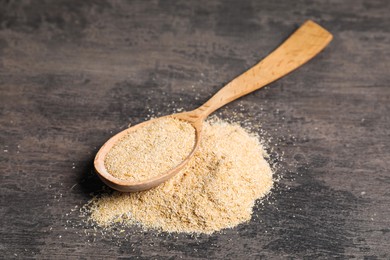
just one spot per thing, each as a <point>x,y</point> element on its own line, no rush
<point>300,47</point>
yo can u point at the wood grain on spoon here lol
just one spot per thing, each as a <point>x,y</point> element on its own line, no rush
<point>300,47</point>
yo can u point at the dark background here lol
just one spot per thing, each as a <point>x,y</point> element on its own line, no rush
<point>73,73</point>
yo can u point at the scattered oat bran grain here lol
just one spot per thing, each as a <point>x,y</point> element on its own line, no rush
<point>216,190</point>
<point>151,150</point>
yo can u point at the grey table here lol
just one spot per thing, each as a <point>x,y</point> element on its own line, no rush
<point>73,73</point>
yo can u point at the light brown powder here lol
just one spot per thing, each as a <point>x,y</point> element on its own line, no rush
<point>216,190</point>
<point>151,150</point>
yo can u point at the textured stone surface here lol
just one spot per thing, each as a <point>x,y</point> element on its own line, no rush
<point>72,73</point>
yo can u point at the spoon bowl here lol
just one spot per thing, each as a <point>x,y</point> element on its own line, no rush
<point>131,186</point>
<point>300,47</point>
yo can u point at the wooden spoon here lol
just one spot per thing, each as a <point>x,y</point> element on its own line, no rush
<point>301,46</point>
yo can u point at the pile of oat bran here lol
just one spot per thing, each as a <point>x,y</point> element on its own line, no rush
<point>216,190</point>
